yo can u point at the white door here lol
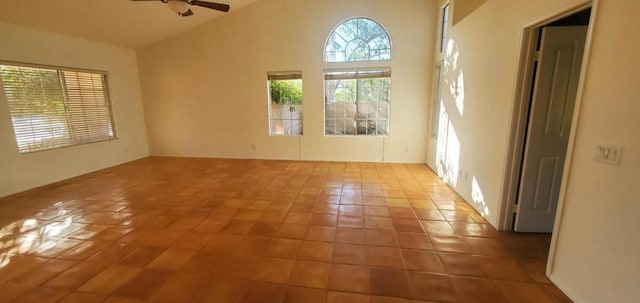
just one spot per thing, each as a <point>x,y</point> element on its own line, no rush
<point>553,99</point>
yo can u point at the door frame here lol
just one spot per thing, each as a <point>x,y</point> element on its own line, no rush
<point>519,121</point>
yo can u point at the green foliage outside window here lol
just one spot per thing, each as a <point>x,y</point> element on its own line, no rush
<point>286,91</point>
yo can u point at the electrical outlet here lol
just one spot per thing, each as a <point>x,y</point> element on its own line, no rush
<point>609,154</point>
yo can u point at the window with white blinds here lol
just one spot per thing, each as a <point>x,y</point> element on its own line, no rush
<point>54,107</point>
<point>437,99</point>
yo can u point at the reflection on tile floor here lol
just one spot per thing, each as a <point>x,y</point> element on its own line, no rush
<point>215,230</point>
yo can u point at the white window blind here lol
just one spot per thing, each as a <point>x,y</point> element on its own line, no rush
<point>437,98</point>
<point>54,107</point>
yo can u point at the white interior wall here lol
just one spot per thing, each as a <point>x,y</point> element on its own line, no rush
<point>597,252</point>
<point>597,256</point>
<point>485,49</point>
<point>20,172</point>
<point>205,92</point>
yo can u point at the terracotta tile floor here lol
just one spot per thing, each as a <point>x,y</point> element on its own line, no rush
<point>215,230</point>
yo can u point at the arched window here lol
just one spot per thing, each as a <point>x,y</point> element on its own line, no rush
<point>357,97</point>
<point>358,39</point>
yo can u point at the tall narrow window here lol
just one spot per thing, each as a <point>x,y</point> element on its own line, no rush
<point>285,103</point>
<point>437,97</point>
<point>444,28</point>
<point>357,98</point>
<point>55,107</point>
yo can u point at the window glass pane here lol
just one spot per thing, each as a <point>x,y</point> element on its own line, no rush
<point>53,108</point>
<point>444,32</point>
<point>285,103</point>
<point>356,102</point>
<point>358,39</point>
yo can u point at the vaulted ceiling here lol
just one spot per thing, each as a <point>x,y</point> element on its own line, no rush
<point>117,22</point>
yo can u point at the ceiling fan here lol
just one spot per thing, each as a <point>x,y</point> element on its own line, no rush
<point>182,6</point>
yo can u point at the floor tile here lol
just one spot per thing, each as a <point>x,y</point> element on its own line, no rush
<point>238,266</point>
<point>477,290</point>
<point>109,280</point>
<point>41,294</point>
<point>283,248</point>
<point>414,241</point>
<point>432,287</point>
<point>323,220</point>
<point>266,229</point>
<point>221,243</point>
<point>554,293</point>
<point>321,233</point>
<point>204,263</point>
<point>449,244</point>
<point>350,235</point>
<point>376,211</point>
<point>144,284</point>
<point>429,214</point>
<point>350,254</point>
<point>304,295</point>
<point>181,287</point>
<point>424,261</point>
<point>381,237</point>
<point>503,268</point>
<point>238,227</point>
<point>263,292</point>
<point>379,299</point>
<point>16,266</point>
<point>171,259</point>
<point>292,231</point>
<point>343,297</point>
<point>225,230</point>
<point>473,230</point>
<point>310,274</point>
<point>298,218</point>
<point>438,228</point>
<point>350,221</point>
<point>378,223</point>
<point>522,292</point>
<point>76,275</point>
<point>43,272</point>
<point>407,225</point>
<point>351,210</point>
<point>274,270</point>
<point>389,282</point>
<point>462,265</point>
<point>9,292</point>
<point>384,257</point>
<point>222,290</point>
<point>252,245</point>
<point>142,256</point>
<point>349,278</point>
<point>77,297</point>
<point>396,212</point>
<point>117,299</point>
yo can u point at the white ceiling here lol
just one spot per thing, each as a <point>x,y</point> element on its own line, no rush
<point>117,22</point>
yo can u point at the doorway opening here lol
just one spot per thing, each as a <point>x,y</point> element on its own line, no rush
<point>549,83</point>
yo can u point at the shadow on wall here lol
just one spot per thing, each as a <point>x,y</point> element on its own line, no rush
<point>448,145</point>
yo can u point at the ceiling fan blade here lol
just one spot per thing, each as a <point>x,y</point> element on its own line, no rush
<point>212,5</point>
<point>187,13</point>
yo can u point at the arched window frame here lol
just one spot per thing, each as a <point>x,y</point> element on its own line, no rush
<point>387,37</point>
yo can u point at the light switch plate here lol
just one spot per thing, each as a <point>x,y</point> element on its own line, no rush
<point>609,154</point>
